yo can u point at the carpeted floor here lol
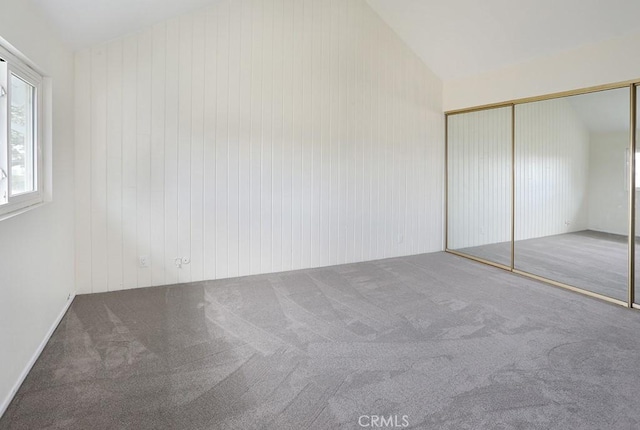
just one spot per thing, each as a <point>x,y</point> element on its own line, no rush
<point>587,259</point>
<point>444,342</point>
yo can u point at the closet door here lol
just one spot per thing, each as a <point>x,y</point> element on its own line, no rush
<point>572,189</point>
<point>635,298</point>
<point>479,160</point>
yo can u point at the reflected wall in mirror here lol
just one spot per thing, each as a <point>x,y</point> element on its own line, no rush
<point>571,206</point>
<point>479,152</point>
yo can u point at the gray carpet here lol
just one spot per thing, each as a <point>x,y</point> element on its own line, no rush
<point>446,342</point>
<point>587,259</point>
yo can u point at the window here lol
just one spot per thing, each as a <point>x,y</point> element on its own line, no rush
<point>21,164</point>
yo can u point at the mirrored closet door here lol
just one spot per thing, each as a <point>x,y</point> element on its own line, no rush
<point>479,160</point>
<point>571,188</point>
<point>635,298</point>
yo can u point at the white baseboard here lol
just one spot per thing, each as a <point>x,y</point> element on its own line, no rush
<point>5,404</point>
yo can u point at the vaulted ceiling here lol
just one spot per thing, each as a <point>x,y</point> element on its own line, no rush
<point>87,22</point>
<point>455,38</point>
<point>459,38</point>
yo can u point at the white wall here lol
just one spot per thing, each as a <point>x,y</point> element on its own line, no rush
<point>611,61</point>
<point>552,169</point>
<point>254,137</point>
<point>36,256</point>
<point>608,189</point>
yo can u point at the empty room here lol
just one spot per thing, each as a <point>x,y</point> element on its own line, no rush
<point>319,214</point>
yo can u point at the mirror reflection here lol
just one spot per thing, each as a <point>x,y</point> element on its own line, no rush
<point>571,206</point>
<point>479,184</point>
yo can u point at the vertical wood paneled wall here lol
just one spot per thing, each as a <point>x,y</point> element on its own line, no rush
<point>253,137</point>
<point>551,173</point>
<point>479,172</point>
<point>552,169</point>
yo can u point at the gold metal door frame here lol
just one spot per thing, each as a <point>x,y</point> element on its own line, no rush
<point>513,188</point>
<point>446,188</point>
<point>632,194</point>
<point>632,85</point>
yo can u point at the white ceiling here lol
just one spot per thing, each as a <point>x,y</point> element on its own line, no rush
<point>84,23</point>
<point>455,38</point>
<point>458,38</point>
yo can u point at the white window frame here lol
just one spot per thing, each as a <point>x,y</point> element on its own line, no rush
<point>21,202</point>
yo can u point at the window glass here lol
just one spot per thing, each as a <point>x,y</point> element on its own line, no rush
<point>22,137</point>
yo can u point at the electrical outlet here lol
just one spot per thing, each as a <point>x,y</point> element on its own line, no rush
<point>180,261</point>
<point>143,261</point>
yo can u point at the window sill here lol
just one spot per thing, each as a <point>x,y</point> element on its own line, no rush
<point>20,211</point>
